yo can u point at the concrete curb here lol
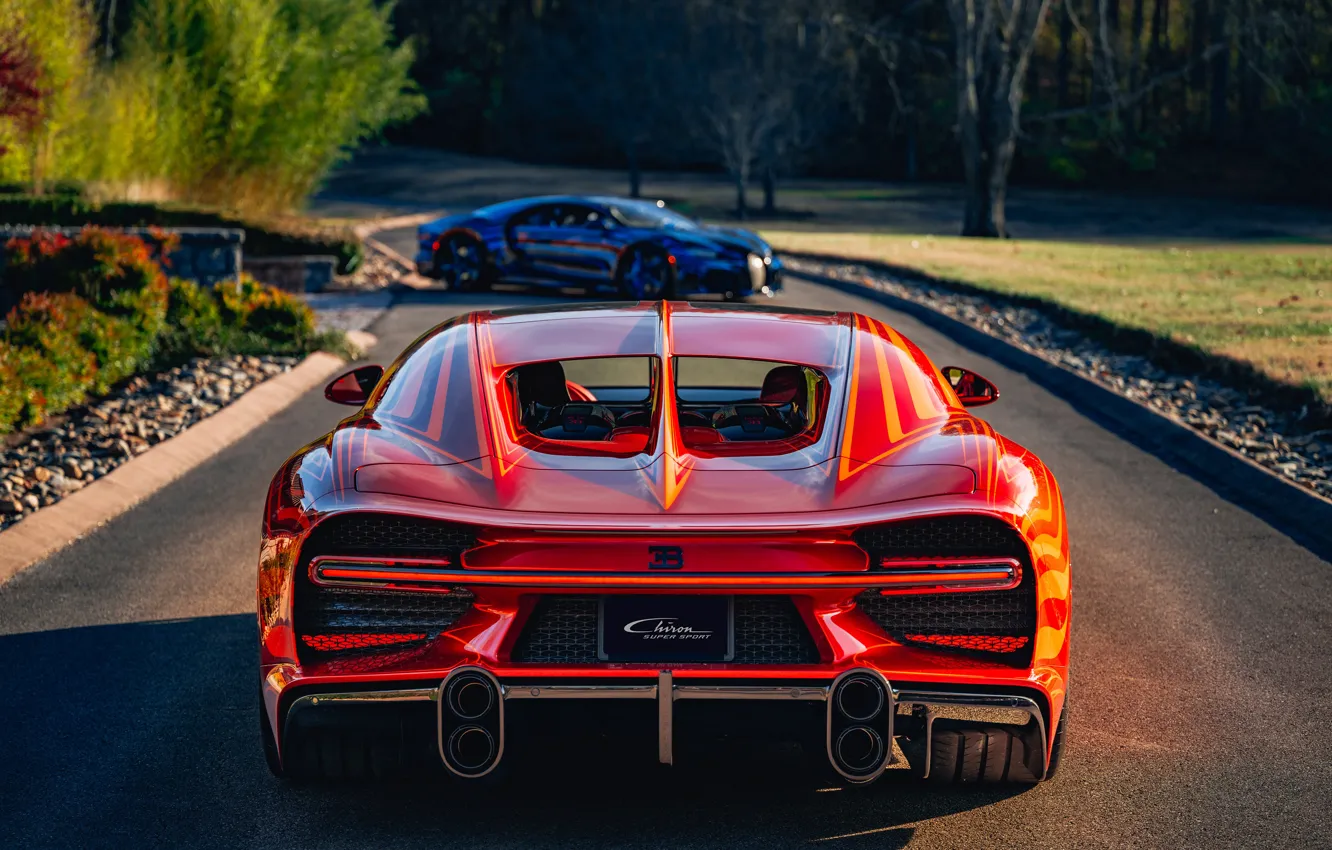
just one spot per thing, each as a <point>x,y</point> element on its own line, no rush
<point>53,528</point>
<point>1294,510</point>
<point>394,222</point>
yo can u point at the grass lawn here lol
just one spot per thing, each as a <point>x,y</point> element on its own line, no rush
<point>1268,305</point>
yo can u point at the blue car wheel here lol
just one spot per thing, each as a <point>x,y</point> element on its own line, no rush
<point>646,273</point>
<point>460,263</point>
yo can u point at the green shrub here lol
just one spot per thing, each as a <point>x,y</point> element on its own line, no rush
<point>280,317</point>
<point>244,104</point>
<point>48,324</point>
<point>115,272</point>
<point>27,399</point>
<point>193,323</point>
<point>96,309</point>
<point>13,387</point>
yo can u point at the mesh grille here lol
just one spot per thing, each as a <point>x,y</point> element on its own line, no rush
<point>337,609</point>
<point>563,630</point>
<point>941,537</point>
<point>1004,612</point>
<point>342,620</point>
<point>387,535</point>
<point>989,621</point>
<point>769,630</point>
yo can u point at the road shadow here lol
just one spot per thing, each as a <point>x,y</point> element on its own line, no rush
<point>146,734</point>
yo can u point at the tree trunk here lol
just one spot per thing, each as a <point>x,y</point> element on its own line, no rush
<point>635,175</point>
<point>1198,43</point>
<point>1154,50</point>
<point>1218,108</point>
<point>1135,65</point>
<point>1250,85</point>
<point>911,96</point>
<point>769,191</point>
<point>741,208</point>
<point>992,63</point>
<point>911,162</point>
<point>1064,64</point>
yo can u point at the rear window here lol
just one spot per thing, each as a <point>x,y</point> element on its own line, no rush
<point>596,405</point>
<point>604,405</point>
<point>734,406</point>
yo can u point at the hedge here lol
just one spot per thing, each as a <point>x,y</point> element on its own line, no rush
<point>262,238</point>
<point>96,309</point>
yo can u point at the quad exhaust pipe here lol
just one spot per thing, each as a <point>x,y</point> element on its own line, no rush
<point>860,725</point>
<point>471,722</point>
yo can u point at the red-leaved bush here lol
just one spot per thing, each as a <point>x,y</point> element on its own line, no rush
<point>20,96</point>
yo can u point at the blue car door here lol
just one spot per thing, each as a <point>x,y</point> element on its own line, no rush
<point>563,242</point>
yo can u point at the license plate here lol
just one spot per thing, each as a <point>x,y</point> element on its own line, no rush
<point>666,628</point>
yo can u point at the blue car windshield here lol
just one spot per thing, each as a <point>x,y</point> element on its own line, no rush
<point>644,214</point>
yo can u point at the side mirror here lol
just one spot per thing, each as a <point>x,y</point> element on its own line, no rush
<point>354,387</point>
<point>971,388</point>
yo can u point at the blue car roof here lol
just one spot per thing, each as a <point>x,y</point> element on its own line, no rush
<point>510,207</point>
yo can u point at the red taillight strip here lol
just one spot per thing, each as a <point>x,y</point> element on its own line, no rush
<point>955,574</point>
<point>919,577</point>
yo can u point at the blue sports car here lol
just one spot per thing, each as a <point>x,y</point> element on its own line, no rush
<point>636,249</point>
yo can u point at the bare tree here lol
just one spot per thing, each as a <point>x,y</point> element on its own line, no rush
<point>739,124</point>
<point>758,103</point>
<point>994,42</point>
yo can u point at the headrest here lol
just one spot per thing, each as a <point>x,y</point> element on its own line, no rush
<point>782,385</point>
<point>543,383</point>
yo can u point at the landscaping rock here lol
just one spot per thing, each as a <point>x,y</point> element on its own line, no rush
<point>50,463</point>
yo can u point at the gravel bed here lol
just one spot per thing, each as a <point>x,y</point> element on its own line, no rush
<point>1270,437</point>
<point>376,271</point>
<point>42,466</point>
<point>348,311</point>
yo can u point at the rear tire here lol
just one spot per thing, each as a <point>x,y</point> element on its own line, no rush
<point>461,263</point>
<point>335,755</point>
<point>964,753</point>
<point>271,757</point>
<point>645,273</point>
<point>1057,749</point>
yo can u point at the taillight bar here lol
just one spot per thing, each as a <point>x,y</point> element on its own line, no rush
<point>904,577</point>
<point>915,576</point>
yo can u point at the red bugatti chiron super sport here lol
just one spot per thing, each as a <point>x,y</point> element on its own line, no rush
<point>684,516</point>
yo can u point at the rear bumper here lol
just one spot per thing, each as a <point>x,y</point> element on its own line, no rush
<point>909,713</point>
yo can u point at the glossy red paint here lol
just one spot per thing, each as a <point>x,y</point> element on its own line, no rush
<point>432,442</point>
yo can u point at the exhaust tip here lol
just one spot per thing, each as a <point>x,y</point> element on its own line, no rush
<point>859,749</point>
<point>471,747</point>
<point>860,698</point>
<point>470,697</point>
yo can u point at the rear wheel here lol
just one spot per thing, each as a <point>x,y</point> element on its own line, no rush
<point>966,753</point>
<point>645,273</point>
<point>269,741</point>
<point>460,262</point>
<point>1057,749</point>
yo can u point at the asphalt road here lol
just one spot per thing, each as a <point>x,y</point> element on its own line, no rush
<point>1202,684</point>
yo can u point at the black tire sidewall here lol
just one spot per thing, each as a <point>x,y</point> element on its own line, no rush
<point>622,277</point>
<point>446,248</point>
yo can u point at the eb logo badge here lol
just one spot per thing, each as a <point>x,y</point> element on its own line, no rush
<point>665,558</point>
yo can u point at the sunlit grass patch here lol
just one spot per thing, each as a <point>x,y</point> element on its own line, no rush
<point>1267,305</point>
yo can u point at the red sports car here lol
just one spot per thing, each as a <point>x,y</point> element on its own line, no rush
<point>691,518</point>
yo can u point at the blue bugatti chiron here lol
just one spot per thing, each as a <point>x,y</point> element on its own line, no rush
<point>634,248</point>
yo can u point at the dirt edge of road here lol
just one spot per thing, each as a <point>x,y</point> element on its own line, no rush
<point>55,527</point>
